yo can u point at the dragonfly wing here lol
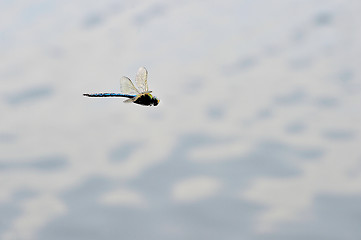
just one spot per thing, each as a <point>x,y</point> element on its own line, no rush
<point>141,79</point>
<point>131,100</point>
<point>127,87</point>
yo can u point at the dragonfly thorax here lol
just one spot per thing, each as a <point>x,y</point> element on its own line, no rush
<point>146,100</point>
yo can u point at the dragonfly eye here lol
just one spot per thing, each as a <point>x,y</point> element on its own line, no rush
<point>155,101</point>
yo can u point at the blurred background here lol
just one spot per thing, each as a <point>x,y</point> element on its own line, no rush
<point>257,134</point>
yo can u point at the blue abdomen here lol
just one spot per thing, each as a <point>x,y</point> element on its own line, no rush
<point>108,95</point>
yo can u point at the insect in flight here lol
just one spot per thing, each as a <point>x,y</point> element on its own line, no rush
<point>128,90</point>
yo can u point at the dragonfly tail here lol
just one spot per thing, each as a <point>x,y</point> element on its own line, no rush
<point>107,95</point>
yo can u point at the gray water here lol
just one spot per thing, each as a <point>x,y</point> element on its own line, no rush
<point>257,134</point>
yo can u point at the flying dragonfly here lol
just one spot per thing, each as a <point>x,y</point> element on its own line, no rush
<point>140,96</point>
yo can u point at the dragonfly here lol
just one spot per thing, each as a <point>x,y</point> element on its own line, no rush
<point>140,96</point>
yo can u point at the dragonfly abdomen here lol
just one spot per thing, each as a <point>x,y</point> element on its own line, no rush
<point>108,95</point>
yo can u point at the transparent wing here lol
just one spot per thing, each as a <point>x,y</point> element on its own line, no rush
<point>131,100</point>
<point>127,87</point>
<point>141,79</point>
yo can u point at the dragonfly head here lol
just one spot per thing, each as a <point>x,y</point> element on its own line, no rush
<point>155,100</point>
